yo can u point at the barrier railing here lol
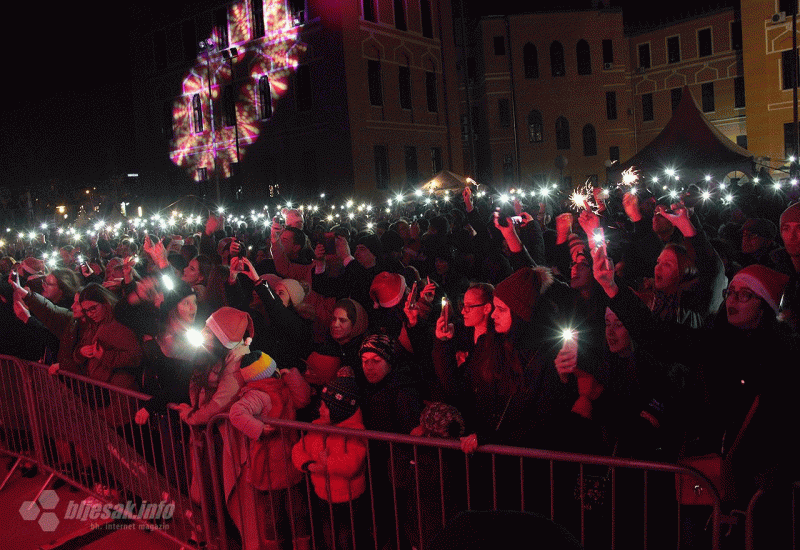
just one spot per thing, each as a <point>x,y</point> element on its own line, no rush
<point>82,431</point>
<point>416,486</point>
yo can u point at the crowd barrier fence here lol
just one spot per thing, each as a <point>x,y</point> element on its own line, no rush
<point>83,432</point>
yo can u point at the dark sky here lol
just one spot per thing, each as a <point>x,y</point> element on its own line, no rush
<point>69,116</point>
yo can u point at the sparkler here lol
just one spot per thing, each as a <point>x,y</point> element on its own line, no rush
<point>583,198</point>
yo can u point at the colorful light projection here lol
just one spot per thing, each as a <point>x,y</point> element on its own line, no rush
<point>204,138</point>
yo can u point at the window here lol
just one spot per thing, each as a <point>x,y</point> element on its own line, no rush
<point>644,56</point>
<point>647,107</point>
<point>736,35</point>
<point>557,59</point>
<point>535,127</point>
<point>508,168</point>
<point>530,59</point>
<point>499,45</point>
<point>400,15</point>
<point>613,153</point>
<point>430,92</point>
<point>197,113</point>
<point>738,92</point>
<point>427,18</point>
<point>381,166</point>
<point>589,141</point>
<point>303,91</point>
<point>675,95</point>
<point>504,112</point>
<point>608,51</point>
<point>611,105</point>
<point>296,12</point>
<point>584,56</point>
<point>228,105</point>
<point>202,174</point>
<point>788,140</point>
<point>374,80</point>
<point>405,87</point>
<point>168,129</point>
<point>788,69</point>
<point>562,133</point>
<point>704,47</point>
<point>436,160</point>
<point>708,97</point>
<point>412,171</point>
<point>257,9</point>
<point>369,11</point>
<point>221,26</point>
<point>673,49</point>
<point>265,98</point>
<point>741,141</point>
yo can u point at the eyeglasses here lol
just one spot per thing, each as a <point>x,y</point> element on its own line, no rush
<point>741,296</point>
<point>468,307</point>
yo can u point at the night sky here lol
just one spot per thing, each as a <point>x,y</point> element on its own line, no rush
<point>69,121</point>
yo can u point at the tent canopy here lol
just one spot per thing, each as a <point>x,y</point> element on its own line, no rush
<point>446,181</point>
<point>691,145</point>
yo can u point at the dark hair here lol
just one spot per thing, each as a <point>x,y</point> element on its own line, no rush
<point>686,267</point>
<point>203,266</point>
<point>98,293</point>
<point>486,291</point>
<point>347,305</point>
<point>67,280</point>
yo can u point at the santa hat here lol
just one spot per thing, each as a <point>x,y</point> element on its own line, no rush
<point>387,289</point>
<point>791,214</point>
<point>231,326</point>
<point>766,283</point>
<point>257,365</point>
<point>520,291</point>
<point>33,266</point>
<point>341,396</point>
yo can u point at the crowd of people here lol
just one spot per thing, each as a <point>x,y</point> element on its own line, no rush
<point>637,328</point>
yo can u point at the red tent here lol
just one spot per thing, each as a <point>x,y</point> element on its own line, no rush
<point>691,145</point>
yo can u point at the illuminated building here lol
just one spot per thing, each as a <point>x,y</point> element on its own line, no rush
<point>306,97</point>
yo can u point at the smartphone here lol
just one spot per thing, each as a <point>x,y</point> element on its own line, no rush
<point>329,240</point>
<point>598,238</point>
<point>516,220</point>
<point>445,311</point>
<point>241,248</point>
<point>414,296</point>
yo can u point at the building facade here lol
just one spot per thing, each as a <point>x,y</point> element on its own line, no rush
<point>298,98</point>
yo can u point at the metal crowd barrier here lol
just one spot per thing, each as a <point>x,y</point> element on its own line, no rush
<point>431,481</point>
<point>83,432</point>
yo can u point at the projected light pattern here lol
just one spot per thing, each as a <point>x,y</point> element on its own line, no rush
<point>214,147</point>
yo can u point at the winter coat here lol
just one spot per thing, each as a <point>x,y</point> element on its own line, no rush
<point>260,400</point>
<point>345,474</point>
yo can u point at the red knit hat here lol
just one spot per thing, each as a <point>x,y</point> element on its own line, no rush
<point>791,214</point>
<point>521,290</point>
<point>766,283</point>
<point>387,289</point>
<point>231,326</point>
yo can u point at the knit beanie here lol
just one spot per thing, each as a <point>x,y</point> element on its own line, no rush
<point>231,326</point>
<point>521,290</point>
<point>172,298</point>
<point>341,396</point>
<point>761,227</point>
<point>766,283</point>
<point>381,345</point>
<point>257,365</point>
<point>391,241</point>
<point>293,288</point>
<point>791,214</point>
<point>442,420</point>
<point>387,289</point>
<point>321,367</point>
<point>372,242</point>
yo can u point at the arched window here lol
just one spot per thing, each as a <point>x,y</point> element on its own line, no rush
<point>584,56</point>
<point>557,59</point>
<point>535,127</point>
<point>197,113</point>
<point>265,98</point>
<point>530,58</point>
<point>562,133</point>
<point>589,141</point>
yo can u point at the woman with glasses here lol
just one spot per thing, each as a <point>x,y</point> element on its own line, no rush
<point>748,416</point>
